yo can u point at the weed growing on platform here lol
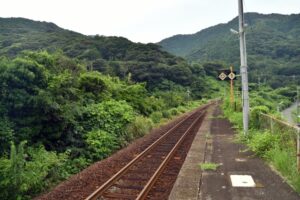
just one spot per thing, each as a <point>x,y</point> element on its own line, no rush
<point>208,136</point>
<point>285,162</point>
<point>262,142</point>
<point>277,147</point>
<point>218,117</point>
<point>209,166</point>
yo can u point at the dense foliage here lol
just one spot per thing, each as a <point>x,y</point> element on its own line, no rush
<point>269,139</point>
<point>115,56</point>
<point>272,45</point>
<point>58,116</point>
<point>80,98</point>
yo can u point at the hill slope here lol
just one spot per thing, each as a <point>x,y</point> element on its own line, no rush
<point>272,44</point>
<point>19,34</point>
<point>115,56</point>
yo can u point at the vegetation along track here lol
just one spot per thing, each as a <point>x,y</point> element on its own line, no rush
<point>140,178</point>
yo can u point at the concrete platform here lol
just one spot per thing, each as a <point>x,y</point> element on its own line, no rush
<point>215,143</point>
<point>188,181</point>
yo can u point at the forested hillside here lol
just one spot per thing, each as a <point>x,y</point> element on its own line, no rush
<point>68,100</point>
<point>272,45</point>
<point>115,56</point>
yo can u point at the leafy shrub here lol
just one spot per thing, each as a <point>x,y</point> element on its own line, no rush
<point>73,166</point>
<point>92,82</point>
<point>156,116</point>
<point>135,95</point>
<point>259,100</point>
<point>261,143</point>
<point>181,109</point>
<point>173,111</point>
<point>139,127</point>
<point>27,170</point>
<point>101,143</point>
<point>152,104</point>
<point>236,118</point>
<point>6,135</point>
<point>254,115</point>
<point>110,116</point>
<point>196,104</point>
<point>166,114</point>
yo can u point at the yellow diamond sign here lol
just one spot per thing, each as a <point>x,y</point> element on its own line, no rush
<point>231,75</point>
<point>222,76</point>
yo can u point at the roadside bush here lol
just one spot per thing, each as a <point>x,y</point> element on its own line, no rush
<point>235,117</point>
<point>254,115</point>
<point>260,100</point>
<point>139,127</point>
<point>110,116</point>
<point>6,135</point>
<point>73,166</point>
<point>91,82</point>
<point>156,117</point>
<point>166,114</point>
<point>277,147</point>
<point>173,111</point>
<point>101,144</point>
<point>152,104</point>
<point>261,143</point>
<point>181,109</point>
<point>196,104</point>
<point>27,171</point>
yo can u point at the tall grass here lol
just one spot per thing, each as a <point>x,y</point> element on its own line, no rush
<point>277,148</point>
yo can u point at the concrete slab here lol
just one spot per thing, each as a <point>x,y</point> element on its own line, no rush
<point>242,181</point>
<point>187,184</point>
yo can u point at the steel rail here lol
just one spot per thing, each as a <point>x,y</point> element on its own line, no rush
<point>98,192</point>
<point>143,194</point>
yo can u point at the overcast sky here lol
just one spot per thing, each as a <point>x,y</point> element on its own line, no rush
<point>139,20</point>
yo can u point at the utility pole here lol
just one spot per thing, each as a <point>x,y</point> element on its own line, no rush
<point>243,69</point>
<point>298,108</point>
<point>231,88</point>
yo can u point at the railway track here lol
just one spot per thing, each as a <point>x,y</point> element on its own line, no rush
<point>137,179</point>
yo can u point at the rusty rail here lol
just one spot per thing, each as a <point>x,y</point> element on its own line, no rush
<point>152,180</point>
<point>108,184</point>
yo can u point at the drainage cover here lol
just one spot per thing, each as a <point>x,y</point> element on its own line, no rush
<point>242,181</point>
<point>240,160</point>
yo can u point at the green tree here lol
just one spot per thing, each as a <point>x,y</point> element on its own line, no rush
<point>27,171</point>
<point>101,143</point>
<point>110,116</point>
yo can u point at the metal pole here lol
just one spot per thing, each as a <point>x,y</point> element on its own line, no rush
<point>243,53</point>
<point>298,150</point>
<point>297,108</point>
<point>231,89</point>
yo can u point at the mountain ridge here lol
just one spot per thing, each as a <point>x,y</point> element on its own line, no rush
<point>112,55</point>
<point>272,44</point>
